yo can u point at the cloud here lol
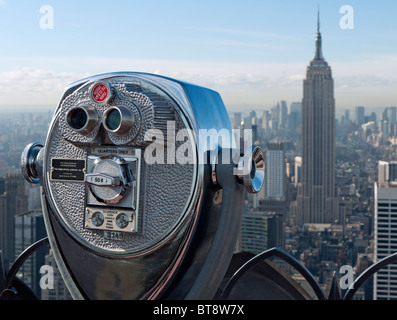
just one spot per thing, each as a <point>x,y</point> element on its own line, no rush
<point>239,79</point>
<point>369,82</point>
<point>33,86</point>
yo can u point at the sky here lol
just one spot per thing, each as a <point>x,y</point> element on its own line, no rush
<point>253,52</point>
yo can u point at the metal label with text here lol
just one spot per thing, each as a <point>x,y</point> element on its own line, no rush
<point>110,220</point>
<point>68,169</point>
<point>113,235</point>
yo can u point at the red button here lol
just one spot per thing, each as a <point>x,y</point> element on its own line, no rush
<point>100,92</point>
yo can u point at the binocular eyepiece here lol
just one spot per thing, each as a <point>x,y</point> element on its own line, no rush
<point>142,187</point>
<point>82,119</point>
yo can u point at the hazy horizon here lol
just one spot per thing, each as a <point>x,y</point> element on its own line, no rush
<point>245,109</point>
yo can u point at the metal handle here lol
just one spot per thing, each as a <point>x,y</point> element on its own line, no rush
<point>103,180</point>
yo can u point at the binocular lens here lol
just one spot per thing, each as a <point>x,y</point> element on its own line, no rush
<point>118,120</point>
<point>82,119</point>
<point>113,119</point>
<point>77,118</point>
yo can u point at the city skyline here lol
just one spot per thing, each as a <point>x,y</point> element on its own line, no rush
<point>253,54</point>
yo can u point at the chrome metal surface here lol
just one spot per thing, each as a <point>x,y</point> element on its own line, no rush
<point>113,219</point>
<point>159,227</point>
<point>61,264</point>
<point>251,169</point>
<point>82,119</point>
<point>28,162</point>
<point>102,180</point>
<point>126,121</point>
<point>183,221</point>
<point>101,92</point>
<point>111,178</point>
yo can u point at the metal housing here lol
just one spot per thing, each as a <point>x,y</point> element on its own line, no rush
<point>187,225</point>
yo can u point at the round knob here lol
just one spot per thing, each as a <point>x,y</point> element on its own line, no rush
<point>251,169</point>
<point>28,162</point>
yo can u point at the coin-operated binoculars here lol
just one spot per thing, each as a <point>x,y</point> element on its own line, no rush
<point>142,187</point>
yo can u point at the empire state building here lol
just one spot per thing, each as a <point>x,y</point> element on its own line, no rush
<point>316,200</point>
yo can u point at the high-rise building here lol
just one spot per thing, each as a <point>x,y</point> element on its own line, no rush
<point>283,114</point>
<point>347,117</point>
<point>295,116</point>
<point>237,120</point>
<point>296,107</point>
<point>360,115</point>
<point>275,172</point>
<point>29,228</point>
<point>391,113</point>
<point>261,231</point>
<point>265,120</point>
<point>385,231</point>
<point>12,202</point>
<point>2,185</point>
<point>387,172</point>
<point>255,137</point>
<point>318,202</point>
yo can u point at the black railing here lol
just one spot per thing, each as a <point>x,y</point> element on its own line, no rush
<point>334,293</point>
<point>274,252</point>
<point>12,288</point>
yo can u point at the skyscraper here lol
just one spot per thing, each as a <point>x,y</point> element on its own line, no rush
<point>261,231</point>
<point>12,201</point>
<point>283,114</point>
<point>317,202</point>
<point>360,115</point>
<point>275,177</point>
<point>29,228</point>
<point>385,230</point>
